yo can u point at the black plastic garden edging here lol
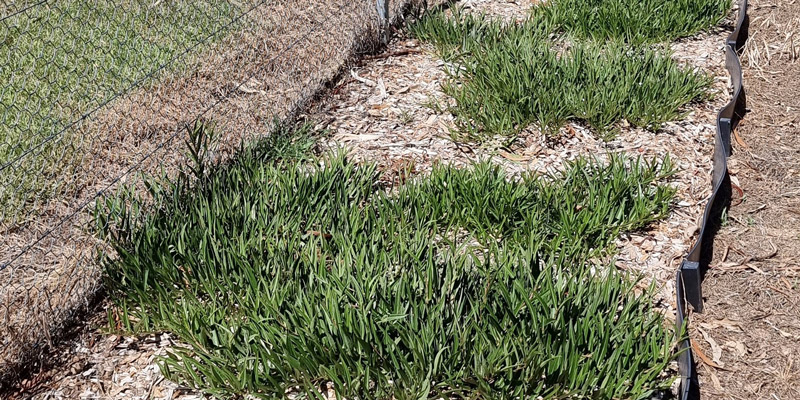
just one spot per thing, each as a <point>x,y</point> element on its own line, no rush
<point>692,270</point>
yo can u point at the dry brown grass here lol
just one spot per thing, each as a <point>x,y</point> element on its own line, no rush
<point>773,41</point>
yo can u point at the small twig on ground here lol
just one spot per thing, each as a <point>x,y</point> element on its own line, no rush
<point>725,253</point>
<point>365,81</point>
<point>397,53</point>
<point>741,194</point>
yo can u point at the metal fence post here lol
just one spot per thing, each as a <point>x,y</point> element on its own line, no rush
<point>383,15</point>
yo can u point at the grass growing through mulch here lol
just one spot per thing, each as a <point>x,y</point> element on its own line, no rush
<point>633,21</point>
<point>63,59</point>
<point>507,76</point>
<point>282,272</point>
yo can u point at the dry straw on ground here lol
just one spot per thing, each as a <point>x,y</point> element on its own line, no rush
<point>748,337</point>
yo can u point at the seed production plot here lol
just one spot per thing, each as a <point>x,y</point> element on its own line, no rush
<point>633,21</point>
<point>283,274</point>
<point>506,76</point>
<point>499,261</point>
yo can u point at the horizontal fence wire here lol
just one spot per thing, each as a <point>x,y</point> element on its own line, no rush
<point>95,94</point>
<point>14,9</point>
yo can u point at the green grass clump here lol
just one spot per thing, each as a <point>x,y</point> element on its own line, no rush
<point>632,21</point>
<point>512,85</point>
<point>63,59</point>
<point>281,274</point>
<point>460,34</point>
<point>519,77</point>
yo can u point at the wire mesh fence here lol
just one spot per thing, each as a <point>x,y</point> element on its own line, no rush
<point>94,93</point>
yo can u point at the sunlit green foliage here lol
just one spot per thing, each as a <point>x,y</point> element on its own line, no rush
<point>633,21</point>
<point>506,77</point>
<point>282,272</point>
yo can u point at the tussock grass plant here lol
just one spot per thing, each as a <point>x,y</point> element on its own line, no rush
<point>460,34</point>
<point>632,21</point>
<point>519,77</point>
<point>282,275</point>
